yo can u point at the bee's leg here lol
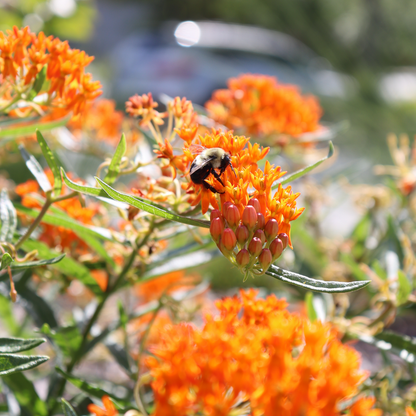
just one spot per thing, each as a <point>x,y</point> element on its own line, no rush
<point>218,177</point>
<point>210,187</point>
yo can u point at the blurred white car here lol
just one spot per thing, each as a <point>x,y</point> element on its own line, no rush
<point>192,59</point>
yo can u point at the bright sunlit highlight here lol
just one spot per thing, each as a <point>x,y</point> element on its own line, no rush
<point>187,33</point>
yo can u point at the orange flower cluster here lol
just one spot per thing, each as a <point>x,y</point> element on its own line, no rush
<point>58,236</point>
<point>410,412</point>
<point>101,121</point>
<point>250,223</point>
<point>66,87</point>
<point>259,105</point>
<point>258,357</point>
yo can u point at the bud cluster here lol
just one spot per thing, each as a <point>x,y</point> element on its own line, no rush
<point>247,241</point>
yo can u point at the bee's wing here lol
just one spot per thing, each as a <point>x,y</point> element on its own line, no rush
<point>194,168</point>
<point>196,149</point>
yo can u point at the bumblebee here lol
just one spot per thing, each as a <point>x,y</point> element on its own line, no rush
<point>206,162</point>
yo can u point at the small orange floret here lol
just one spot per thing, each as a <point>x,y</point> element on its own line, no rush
<point>109,408</point>
<point>258,105</point>
<point>143,106</point>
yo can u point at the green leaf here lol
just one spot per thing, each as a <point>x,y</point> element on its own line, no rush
<point>98,192</point>
<point>36,307</point>
<point>50,159</point>
<point>6,260</point>
<point>26,130</point>
<point>88,190</point>
<point>31,264</point>
<point>67,408</point>
<point>161,212</point>
<point>36,170</point>
<point>37,85</point>
<point>114,168</point>
<point>68,222</point>
<point>312,315</point>
<point>89,388</point>
<point>67,266</point>
<point>404,288</point>
<point>296,175</point>
<point>25,394</point>
<point>67,338</point>
<point>10,121</point>
<point>8,217</point>
<point>399,341</point>
<point>313,284</point>
<point>12,345</point>
<point>12,363</point>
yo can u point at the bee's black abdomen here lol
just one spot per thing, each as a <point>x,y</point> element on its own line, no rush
<point>199,175</point>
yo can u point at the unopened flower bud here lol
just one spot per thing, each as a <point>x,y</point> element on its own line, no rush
<point>260,234</point>
<point>285,239</point>
<point>255,246</point>
<point>232,215</point>
<point>229,239</point>
<point>271,229</point>
<point>276,248</point>
<point>254,202</point>
<point>225,207</point>
<point>265,258</point>
<point>216,228</point>
<point>260,221</point>
<point>215,213</point>
<point>243,257</point>
<point>242,234</point>
<point>249,217</point>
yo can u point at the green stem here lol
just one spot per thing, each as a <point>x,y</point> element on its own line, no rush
<point>110,290</point>
<point>34,224</point>
<point>49,201</point>
<point>79,353</point>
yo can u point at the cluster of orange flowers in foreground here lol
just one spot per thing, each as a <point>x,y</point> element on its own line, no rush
<point>249,222</point>
<point>259,105</point>
<point>43,72</point>
<point>58,236</point>
<point>255,355</point>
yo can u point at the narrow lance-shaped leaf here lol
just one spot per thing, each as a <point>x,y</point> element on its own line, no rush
<point>36,170</point>
<point>296,175</point>
<point>67,408</point>
<point>66,266</point>
<point>12,363</point>
<point>31,264</point>
<point>50,159</point>
<point>310,309</point>
<point>12,345</point>
<point>6,260</point>
<point>89,388</point>
<point>26,396</point>
<point>313,284</point>
<point>114,168</point>
<point>68,222</point>
<point>98,192</point>
<point>37,85</point>
<point>404,289</point>
<point>26,130</point>
<point>160,212</point>
<point>88,190</point>
<point>8,217</point>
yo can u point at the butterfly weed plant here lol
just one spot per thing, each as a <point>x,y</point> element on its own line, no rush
<point>100,262</point>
